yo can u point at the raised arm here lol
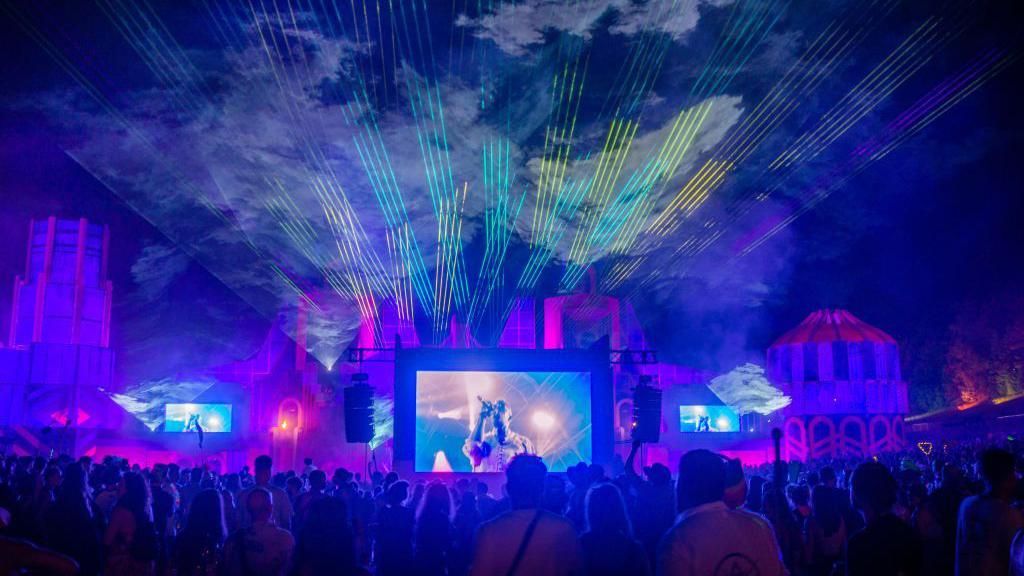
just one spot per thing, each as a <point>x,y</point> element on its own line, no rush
<point>632,456</point>
<point>472,448</point>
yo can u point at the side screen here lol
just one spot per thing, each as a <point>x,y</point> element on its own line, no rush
<point>185,417</point>
<point>708,419</point>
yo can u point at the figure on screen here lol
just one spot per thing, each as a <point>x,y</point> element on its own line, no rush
<point>492,443</point>
<point>194,425</point>
<point>704,424</point>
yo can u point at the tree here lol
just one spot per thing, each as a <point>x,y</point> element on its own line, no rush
<point>965,374</point>
<point>985,356</point>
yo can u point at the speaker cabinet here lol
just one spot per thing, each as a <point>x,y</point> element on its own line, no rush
<point>359,411</point>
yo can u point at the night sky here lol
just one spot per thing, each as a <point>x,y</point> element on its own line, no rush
<point>726,166</point>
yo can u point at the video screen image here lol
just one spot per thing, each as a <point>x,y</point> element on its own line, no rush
<point>476,421</point>
<point>708,419</point>
<point>185,417</point>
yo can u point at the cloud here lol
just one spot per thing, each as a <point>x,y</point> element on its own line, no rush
<point>237,178</point>
<point>156,268</point>
<point>237,181</point>
<point>516,28</point>
<point>675,18</point>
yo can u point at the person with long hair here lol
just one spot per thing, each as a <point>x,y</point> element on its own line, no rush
<point>130,539</point>
<point>467,518</point>
<point>200,543</point>
<point>788,531</point>
<point>417,496</point>
<point>326,544</point>
<point>936,522</point>
<point>74,526</point>
<point>608,545</point>
<point>824,530</point>
<point>433,531</point>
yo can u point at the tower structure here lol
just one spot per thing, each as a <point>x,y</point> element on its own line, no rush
<point>849,397</point>
<point>58,356</point>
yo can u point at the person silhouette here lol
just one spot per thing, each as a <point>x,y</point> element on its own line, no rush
<point>704,424</point>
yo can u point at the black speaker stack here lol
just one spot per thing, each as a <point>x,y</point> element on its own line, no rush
<point>359,410</point>
<point>646,411</point>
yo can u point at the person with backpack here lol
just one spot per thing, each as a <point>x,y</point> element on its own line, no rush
<point>527,540</point>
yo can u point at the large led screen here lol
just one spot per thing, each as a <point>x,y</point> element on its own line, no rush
<point>476,421</point>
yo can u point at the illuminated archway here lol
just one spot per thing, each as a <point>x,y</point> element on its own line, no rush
<point>821,431</point>
<point>795,439</point>
<point>853,436</point>
<point>289,414</point>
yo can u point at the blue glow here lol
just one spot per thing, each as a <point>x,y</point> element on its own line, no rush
<point>212,417</point>
<point>708,419</point>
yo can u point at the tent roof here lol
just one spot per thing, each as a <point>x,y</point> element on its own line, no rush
<point>833,326</point>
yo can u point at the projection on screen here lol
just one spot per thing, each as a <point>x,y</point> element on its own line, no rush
<point>708,419</point>
<point>476,421</point>
<point>184,417</point>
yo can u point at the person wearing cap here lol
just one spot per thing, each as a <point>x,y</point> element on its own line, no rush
<point>709,537</point>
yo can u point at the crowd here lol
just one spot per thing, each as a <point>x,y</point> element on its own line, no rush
<point>900,514</point>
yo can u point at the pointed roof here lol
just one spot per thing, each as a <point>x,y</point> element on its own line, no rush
<point>833,326</point>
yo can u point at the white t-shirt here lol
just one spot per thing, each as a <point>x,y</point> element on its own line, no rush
<point>267,550</point>
<point>553,549</point>
<point>712,540</point>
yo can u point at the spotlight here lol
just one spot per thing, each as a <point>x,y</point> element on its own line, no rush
<point>723,423</point>
<point>543,420</point>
